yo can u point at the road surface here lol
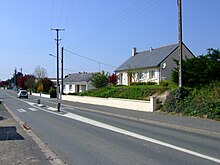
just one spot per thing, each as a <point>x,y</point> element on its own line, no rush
<point>83,134</point>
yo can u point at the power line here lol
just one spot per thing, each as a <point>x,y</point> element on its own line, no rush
<point>114,19</point>
<point>115,23</point>
<point>61,13</point>
<point>75,63</point>
<point>69,14</point>
<point>89,58</point>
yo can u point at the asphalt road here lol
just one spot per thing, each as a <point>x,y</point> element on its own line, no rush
<point>82,134</point>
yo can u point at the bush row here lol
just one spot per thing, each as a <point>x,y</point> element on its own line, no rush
<point>202,102</point>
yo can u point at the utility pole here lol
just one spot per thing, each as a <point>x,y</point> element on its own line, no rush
<point>180,41</point>
<point>15,78</point>
<point>61,70</point>
<point>57,40</point>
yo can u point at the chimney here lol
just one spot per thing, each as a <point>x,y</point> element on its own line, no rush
<point>134,51</point>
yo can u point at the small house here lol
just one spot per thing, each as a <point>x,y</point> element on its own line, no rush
<point>77,82</point>
<point>152,65</point>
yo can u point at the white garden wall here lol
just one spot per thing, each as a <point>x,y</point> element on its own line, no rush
<point>148,106</point>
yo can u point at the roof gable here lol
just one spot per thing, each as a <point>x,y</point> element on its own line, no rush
<point>146,59</point>
<point>78,77</point>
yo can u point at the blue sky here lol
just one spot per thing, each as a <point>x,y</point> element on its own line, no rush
<point>102,30</point>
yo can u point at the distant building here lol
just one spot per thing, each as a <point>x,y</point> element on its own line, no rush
<point>152,65</point>
<point>77,82</point>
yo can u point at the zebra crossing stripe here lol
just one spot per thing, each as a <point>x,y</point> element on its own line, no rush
<point>33,109</point>
<point>52,109</point>
<point>21,110</point>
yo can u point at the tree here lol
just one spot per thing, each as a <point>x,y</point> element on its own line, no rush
<point>40,72</point>
<point>4,83</point>
<point>113,79</point>
<point>25,82</point>
<point>47,84</point>
<point>100,79</point>
<point>30,82</point>
<point>200,70</point>
<point>40,88</point>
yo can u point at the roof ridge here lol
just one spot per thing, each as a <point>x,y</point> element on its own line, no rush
<point>158,48</point>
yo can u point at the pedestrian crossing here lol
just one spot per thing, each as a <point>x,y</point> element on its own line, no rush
<point>21,110</point>
<point>32,109</point>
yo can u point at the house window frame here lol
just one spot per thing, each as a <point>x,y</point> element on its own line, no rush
<point>152,74</point>
<point>120,78</point>
<point>70,87</point>
<point>83,87</point>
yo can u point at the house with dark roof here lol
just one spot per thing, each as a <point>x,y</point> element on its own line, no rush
<point>152,65</point>
<point>77,82</point>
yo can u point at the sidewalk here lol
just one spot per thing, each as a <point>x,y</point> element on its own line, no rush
<point>16,145</point>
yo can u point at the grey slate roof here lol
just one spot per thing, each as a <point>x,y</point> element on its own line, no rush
<point>147,58</point>
<point>78,77</point>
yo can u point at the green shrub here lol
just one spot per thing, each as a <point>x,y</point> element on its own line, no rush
<point>138,83</point>
<point>52,93</point>
<point>164,83</point>
<point>203,102</point>
<point>100,80</point>
<point>138,92</point>
<point>151,83</point>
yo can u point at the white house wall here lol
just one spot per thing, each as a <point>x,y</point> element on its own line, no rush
<point>67,90</point>
<point>145,77</point>
<point>123,78</point>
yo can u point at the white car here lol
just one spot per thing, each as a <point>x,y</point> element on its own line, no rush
<point>23,94</point>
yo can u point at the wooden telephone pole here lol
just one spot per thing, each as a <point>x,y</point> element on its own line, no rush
<point>57,40</point>
<point>180,41</point>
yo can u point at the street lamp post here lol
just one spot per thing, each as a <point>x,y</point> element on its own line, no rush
<point>61,68</point>
<point>61,71</point>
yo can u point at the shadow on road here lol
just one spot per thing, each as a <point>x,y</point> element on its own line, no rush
<point>9,133</point>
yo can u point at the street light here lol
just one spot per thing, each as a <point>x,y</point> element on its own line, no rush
<point>61,71</point>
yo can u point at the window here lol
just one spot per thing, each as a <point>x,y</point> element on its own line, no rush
<point>120,78</point>
<point>139,75</point>
<point>152,74</point>
<point>142,75</point>
<point>70,87</point>
<point>83,88</point>
<point>64,87</point>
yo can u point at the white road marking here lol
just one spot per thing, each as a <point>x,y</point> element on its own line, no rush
<point>52,108</point>
<point>21,110</point>
<point>131,134</point>
<point>30,103</point>
<point>138,136</point>
<point>33,109</point>
<point>41,105</point>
